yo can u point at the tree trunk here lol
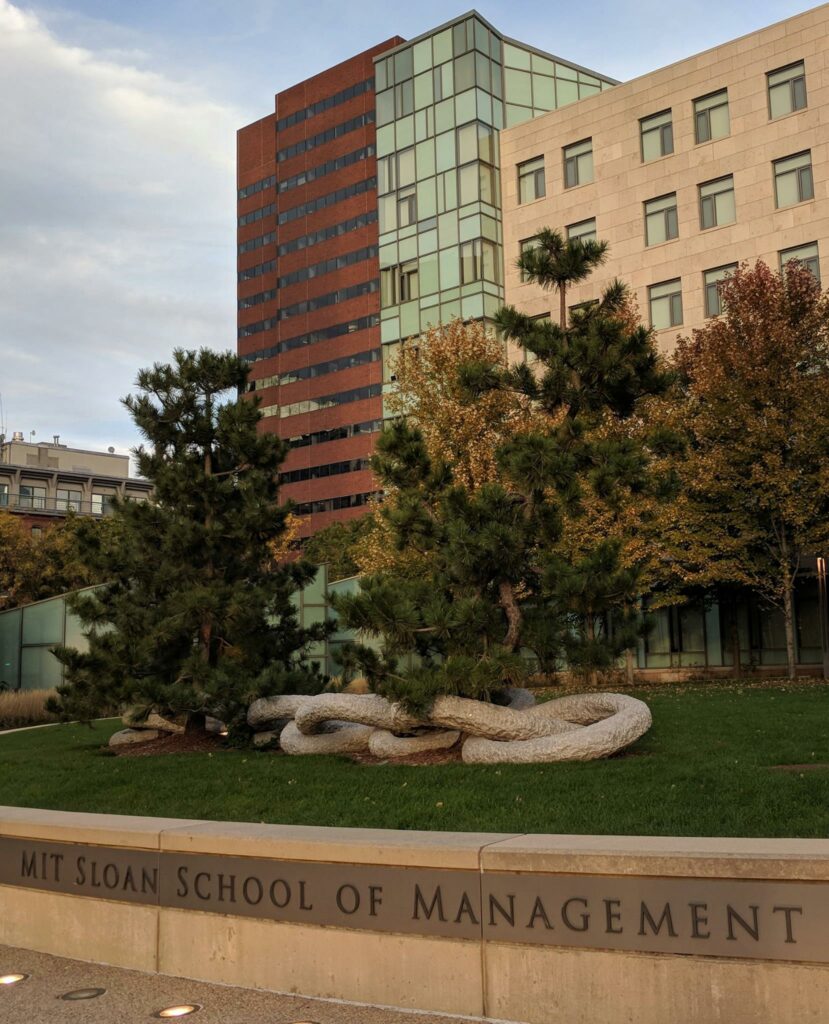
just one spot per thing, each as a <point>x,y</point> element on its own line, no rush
<point>506,595</point>
<point>788,618</point>
<point>629,665</point>
<point>590,628</point>
<point>734,636</point>
<point>562,307</point>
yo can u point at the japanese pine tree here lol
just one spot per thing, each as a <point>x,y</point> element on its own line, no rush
<point>196,618</point>
<point>495,578</point>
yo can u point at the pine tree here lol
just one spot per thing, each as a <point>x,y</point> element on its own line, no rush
<point>196,619</point>
<point>558,262</point>
<point>496,581</point>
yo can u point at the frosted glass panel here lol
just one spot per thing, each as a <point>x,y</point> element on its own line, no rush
<point>43,623</point>
<point>40,669</point>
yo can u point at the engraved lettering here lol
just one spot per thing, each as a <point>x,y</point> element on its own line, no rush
<point>420,904</point>
<point>302,903</point>
<point>129,881</point>
<point>285,893</point>
<point>227,883</point>
<point>585,917</point>
<point>183,887</point>
<point>28,869</point>
<point>111,876</point>
<point>57,861</point>
<point>539,912</point>
<point>354,898</point>
<point>788,911</point>
<point>699,921</point>
<point>196,885</point>
<point>80,877</point>
<point>508,915</point>
<point>656,927</point>
<point>465,909</point>
<point>612,915</point>
<point>751,929</point>
<point>149,880</point>
<point>374,899</point>
<point>252,885</point>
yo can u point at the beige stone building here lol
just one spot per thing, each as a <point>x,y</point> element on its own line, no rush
<point>685,172</point>
<point>45,481</point>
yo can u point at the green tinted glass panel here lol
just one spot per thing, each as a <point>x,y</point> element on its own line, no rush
<point>449,268</point>
<point>544,92</point>
<point>465,107</point>
<point>426,199</point>
<point>567,92</point>
<point>428,274</point>
<point>423,91</point>
<point>515,58</point>
<point>442,44</point>
<point>519,87</point>
<point>422,55</point>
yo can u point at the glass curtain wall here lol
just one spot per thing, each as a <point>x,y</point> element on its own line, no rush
<point>441,101</point>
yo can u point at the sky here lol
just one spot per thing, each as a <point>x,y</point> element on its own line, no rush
<point>117,149</point>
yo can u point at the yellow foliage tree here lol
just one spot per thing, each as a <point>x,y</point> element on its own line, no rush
<point>462,433</point>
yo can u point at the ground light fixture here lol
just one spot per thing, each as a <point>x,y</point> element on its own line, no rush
<point>180,1010</point>
<point>12,979</point>
<point>82,993</point>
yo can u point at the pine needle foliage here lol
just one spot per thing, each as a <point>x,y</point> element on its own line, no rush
<point>496,582</point>
<point>196,618</point>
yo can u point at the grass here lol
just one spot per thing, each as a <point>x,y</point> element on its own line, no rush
<point>705,768</point>
<point>24,707</point>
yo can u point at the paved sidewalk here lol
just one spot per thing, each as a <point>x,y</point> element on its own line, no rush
<point>132,998</point>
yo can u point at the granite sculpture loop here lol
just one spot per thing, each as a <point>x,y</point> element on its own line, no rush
<point>581,727</point>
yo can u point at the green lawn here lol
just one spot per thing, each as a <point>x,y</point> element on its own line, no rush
<point>703,769</point>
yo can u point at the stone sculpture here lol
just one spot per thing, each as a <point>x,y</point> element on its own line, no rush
<point>581,727</point>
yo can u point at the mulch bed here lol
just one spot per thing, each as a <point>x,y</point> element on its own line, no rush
<point>175,743</point>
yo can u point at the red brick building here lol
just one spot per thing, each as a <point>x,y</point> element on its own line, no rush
<point>308,284</point>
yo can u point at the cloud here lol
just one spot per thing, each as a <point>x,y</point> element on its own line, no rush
<point>117,228</point>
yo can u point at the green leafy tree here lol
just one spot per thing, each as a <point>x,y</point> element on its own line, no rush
<point>496,579</point>
<point>754,400</point>
<point>195,618</point>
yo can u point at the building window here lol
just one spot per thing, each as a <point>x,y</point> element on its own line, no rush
<point>4,495</point>
<point>711,280</point>
<point>32,496</point>
<point>101,504</point>
<point>584,231</point>
<point>478,261</point>
<point>711,116</point>
<point>37,532</point>
<point>578,163</point>
<point>69,500</point>
<point>665,301</point>
<point>787,89</point>
<point>805,254</point>
<point>399,284</point>
<point>661,222</point>
<point>527,245</point>
<point>793,179</point>
<point>406,207</point>
<point>716,201</point>
<point>531,180</point>
<point>657,135</point>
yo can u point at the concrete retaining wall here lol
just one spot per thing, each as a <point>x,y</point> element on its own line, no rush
<point>542,929</point>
